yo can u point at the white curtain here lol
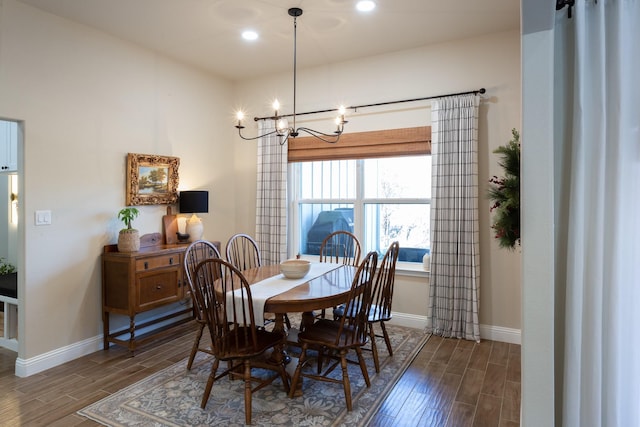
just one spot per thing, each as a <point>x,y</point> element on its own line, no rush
<point>271,202</point>
<point>455,262</point>
<point>597,127</point>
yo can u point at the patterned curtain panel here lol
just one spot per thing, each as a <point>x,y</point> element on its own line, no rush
<point>271,203</point>
<point>455,261</point>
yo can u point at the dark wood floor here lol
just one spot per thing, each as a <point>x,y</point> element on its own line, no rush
<point>457,383</point>
<point>450,383</point>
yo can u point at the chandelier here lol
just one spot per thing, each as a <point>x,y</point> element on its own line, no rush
<point>282,129</point>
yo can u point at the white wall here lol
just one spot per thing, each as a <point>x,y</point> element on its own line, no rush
<point>88,99</point>
<point>492,62</point>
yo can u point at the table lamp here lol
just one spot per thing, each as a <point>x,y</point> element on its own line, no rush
<point>196,201</point>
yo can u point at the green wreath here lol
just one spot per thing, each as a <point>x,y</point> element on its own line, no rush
<point>504,194</point>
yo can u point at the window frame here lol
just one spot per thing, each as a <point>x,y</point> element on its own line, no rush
<point>360,146</point>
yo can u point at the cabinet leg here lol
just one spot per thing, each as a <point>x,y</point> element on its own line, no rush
<point>132,334</point>
<point>105,330</point>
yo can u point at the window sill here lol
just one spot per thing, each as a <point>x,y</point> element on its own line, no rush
<point>411,269</point>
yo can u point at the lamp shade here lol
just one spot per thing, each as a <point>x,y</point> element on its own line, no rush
<point>196,201</point>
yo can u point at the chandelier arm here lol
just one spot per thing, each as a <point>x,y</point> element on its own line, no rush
<point>325,137</point>
<point>285,139</point>
<point>255,137</point>
<point>317,132</point>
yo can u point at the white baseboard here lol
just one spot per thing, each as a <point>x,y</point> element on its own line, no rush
<point>409,320</point>
<point>487,332</point>
<point>9,343</point>
<point>42,362</point>
<point>499,333</point>
<point>34,365</point>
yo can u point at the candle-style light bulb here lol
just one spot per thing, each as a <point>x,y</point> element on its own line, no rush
<point>240,116</point>
<point>340,118</point>
<point>276,106</point>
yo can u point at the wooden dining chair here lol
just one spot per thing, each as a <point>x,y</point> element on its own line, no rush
<point>243,253</point>
<point>340,247</point>
<point>338,337</point>
<point>235,336</point>
<point>381,299</point>
<point>195,253</point>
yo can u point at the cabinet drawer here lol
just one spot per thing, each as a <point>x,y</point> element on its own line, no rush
<point>159,289</point>
<point>151,263</point>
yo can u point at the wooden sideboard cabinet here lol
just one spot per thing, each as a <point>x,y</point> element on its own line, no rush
<point>135,282</point>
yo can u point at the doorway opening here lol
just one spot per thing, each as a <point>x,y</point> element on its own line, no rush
<point>10,133</point>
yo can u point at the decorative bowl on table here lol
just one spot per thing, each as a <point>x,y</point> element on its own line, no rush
<point>295,268</point>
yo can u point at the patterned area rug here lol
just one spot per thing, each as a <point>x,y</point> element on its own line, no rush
<point>172,396</point>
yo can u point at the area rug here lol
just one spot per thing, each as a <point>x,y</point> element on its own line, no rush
<point>172,396</point>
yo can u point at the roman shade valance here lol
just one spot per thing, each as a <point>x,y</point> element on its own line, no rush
<point>358,145</point>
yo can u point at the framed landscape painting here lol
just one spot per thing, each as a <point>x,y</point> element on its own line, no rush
<point>152,179</point>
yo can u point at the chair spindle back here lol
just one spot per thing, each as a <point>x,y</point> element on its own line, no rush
<point>242,252</point>
<point>341,247</point>
<point>359,302</point>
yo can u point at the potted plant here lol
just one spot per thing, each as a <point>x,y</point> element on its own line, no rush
<point>128,238</point>
<point>8,279</point>
<point>504,192</point>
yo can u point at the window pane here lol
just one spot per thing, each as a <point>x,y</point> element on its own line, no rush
<point>406,223</point>
<point>347,195</point>
<point>328,180</point>
<point>398,177</point>
<point>318,220</point>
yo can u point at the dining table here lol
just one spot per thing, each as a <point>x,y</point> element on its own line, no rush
<point>325,285</point>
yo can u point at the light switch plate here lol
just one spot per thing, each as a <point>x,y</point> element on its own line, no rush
<point>43,217</point>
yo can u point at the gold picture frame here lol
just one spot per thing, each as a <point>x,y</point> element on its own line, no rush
<point>152,179</point>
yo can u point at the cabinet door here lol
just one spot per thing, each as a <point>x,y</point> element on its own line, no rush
<point>8,146</point>
<point>158,288</point>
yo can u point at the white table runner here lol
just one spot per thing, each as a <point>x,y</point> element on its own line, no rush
<point>275,285</point>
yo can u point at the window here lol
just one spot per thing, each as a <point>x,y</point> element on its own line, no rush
<point>380,200</point>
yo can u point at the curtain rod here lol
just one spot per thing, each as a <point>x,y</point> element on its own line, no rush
<point>355,107</point>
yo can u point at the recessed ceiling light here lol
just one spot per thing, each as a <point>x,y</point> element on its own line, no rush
<point>249,35</point>
<point>365,5</point>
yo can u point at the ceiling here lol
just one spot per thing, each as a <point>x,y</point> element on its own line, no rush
<point>206,33</point>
